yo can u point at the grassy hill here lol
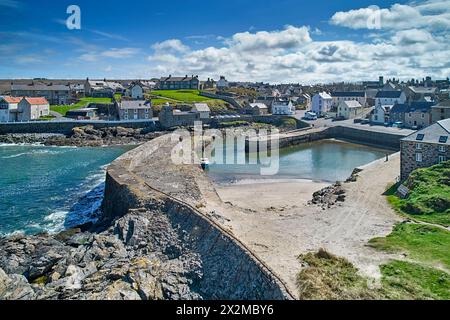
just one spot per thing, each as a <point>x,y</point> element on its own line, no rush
<point>429,198</point>
<point>173,97</point>
<point>62,109</point>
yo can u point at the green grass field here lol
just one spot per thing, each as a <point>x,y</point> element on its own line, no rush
<point>334,278</point>
<point>405,280</point>
<point>429,198</point>
<point>423,243</point>
<point>62,109</point>
<point>186,96</point>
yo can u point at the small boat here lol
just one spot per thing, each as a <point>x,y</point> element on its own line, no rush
<point>204,163</point>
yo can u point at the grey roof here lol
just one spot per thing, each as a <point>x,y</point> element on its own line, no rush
<point>135,104</point>
<point>39,87</point>
<point>352,104</point>
<point>443,104</point>
<point>433,133</point>
<point>178,79</point>
<point>388,94</point>
<point>423,90</point>
<point>361,94</point>
<point>201,107</point>
<point>258,105</point>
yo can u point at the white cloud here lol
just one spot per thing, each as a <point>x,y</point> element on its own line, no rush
<point>290,38</point>
<point>291,55</point>
<point>113,53</point>
<point>433,15</point>
<point>171,45</point>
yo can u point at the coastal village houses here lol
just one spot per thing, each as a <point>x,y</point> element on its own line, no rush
<point>202,109</point>
<point>178,83</point>
<point>135,91</point>
<point>14,109</point>
<point>222,83</point>
<point>257,109</point>
<point>359,96</point>
<point>412,115</point>
<point>389,98</point>
<point>135,110</point>
<point>53,93</point>
<point>349,109</point>
<point>440,111</point>
<point>8,108</point>
<point>102,88</point>
<point>425,148</point>
<point>321,103</point>
<point>283,107</point>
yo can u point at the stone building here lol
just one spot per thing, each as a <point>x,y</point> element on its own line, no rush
<point>178,83</point>
<point>425,148</point>
<point>440,111</point>
<point>169,118</point>
<point>135,110</point>
<point>53,93</point>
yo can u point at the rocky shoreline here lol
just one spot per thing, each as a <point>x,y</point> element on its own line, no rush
<point>85,136</point>
<point>139,256</point>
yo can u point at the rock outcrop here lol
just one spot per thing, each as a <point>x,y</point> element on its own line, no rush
<point>86,136</point>
<point>140,256</point>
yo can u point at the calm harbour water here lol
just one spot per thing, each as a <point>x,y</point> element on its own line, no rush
<point>51,188</point>
<point>326,160</point>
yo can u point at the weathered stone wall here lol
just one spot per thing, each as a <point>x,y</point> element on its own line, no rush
<point>381,139</point>
<point>144,178</point>
<point>65,127</point>
<point>430,156</point>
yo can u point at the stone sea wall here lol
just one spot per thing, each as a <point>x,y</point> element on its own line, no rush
<point>65,127</point>
<point>146,178</point>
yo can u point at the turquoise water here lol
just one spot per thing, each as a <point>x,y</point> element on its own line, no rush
<point>326,160</point>
<point>51,188</point>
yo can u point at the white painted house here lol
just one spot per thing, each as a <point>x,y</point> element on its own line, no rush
<point>349,109</point>
<point>390,98</point>
<point>321,103</point>
<point>135,91</point>
<point>282,107</point>
<point>380,114</point>
<point>7,107</point>
<point>359,96</point>
<point>32,109</point>
<point>222,83</point>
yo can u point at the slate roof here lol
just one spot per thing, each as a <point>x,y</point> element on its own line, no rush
<point>355,94</point>
<point>352,104</point>
<point>388,94</point>
<point>134,104</point>
<point>39,87</point>
<point>433,133</point>
<point>201,107</point>
<point>178,79</point>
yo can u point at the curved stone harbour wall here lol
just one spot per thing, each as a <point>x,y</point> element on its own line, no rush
<point>145,177</point>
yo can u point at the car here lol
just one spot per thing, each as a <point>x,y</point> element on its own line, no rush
<point>310,116</point>
<point>365,121</point>
<point>398,124</point>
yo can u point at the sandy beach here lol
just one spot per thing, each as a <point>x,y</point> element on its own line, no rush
<point>269,195</point>
<point>273,218</point>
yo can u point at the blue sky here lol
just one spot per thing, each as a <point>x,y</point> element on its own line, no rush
<point>277,41</point>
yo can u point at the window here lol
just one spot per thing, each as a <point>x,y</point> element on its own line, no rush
<point>420,136</point>
<point>418,157</point>
<point>419,146</point>
<point>441,148</point>
<point>125,116</point>
<point>441,159</point>
<point>146,115</point>
<point>125,111</point>
<point>146,110</point>
<point>443,139</point>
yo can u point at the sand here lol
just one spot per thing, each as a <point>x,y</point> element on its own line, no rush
<point>274,220</point>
